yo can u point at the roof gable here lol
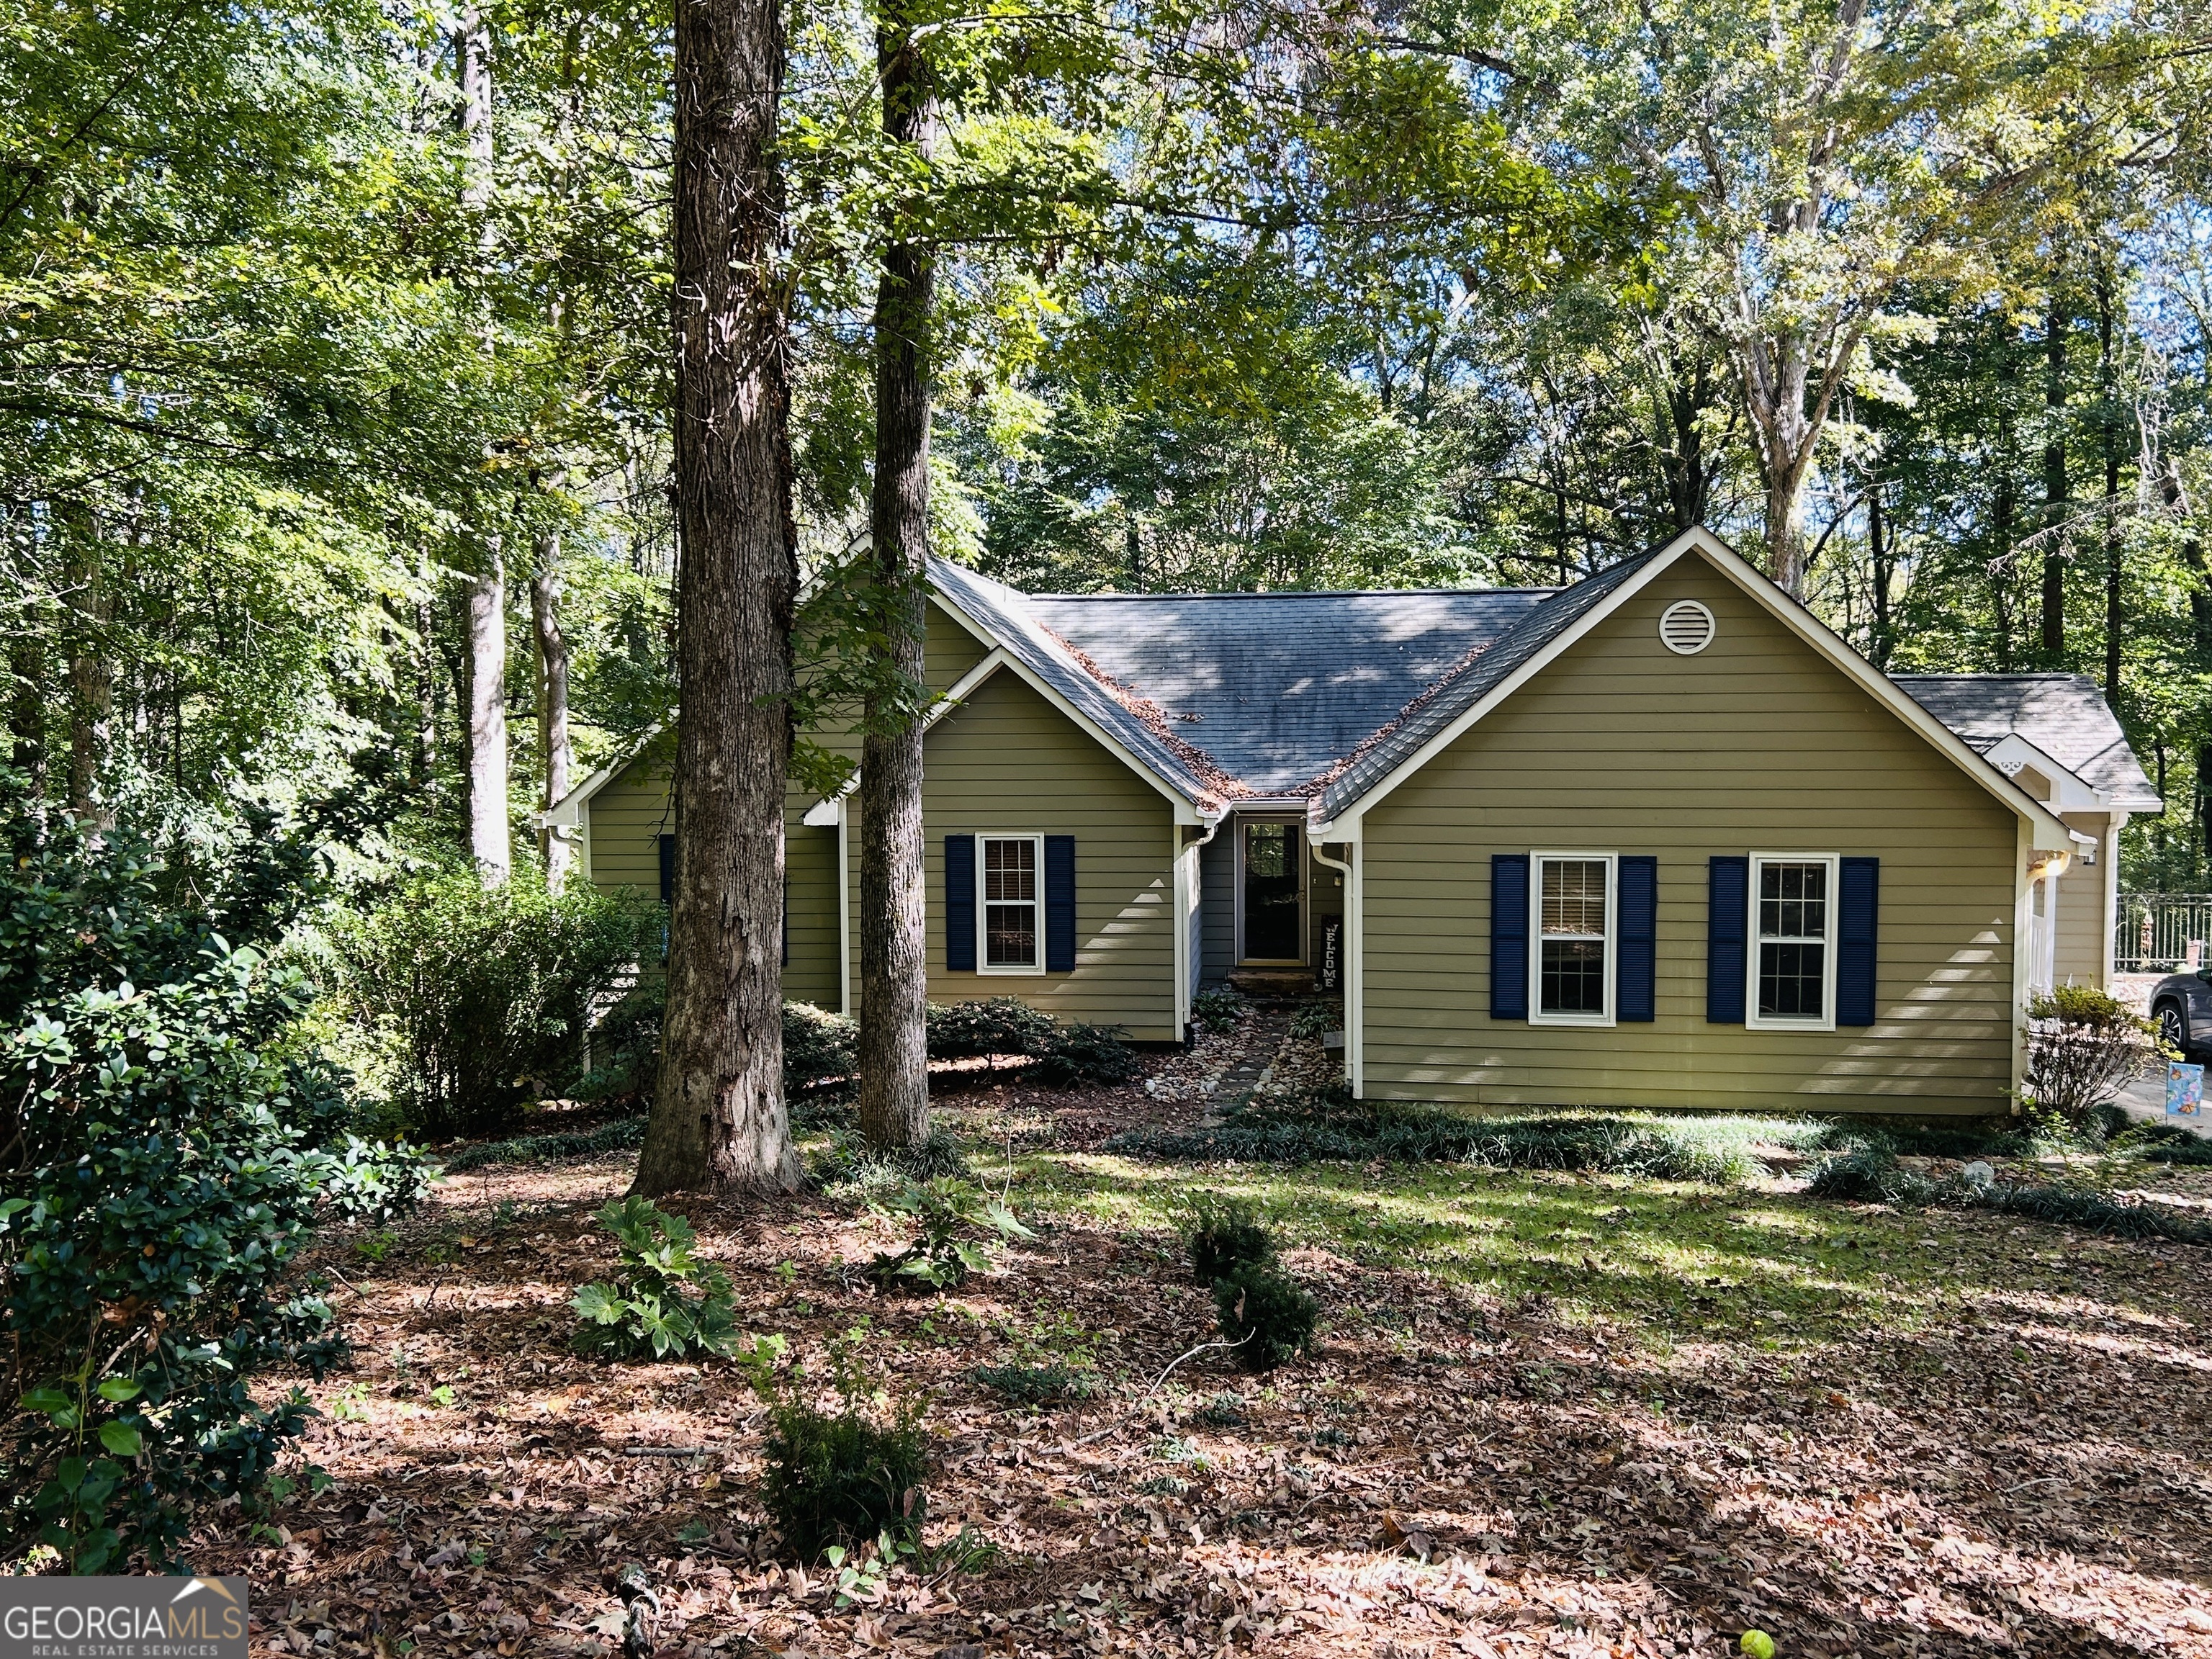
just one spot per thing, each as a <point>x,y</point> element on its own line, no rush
<point>2064,715</point>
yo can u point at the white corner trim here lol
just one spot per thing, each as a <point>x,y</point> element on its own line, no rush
<point>844,912</point>
<point>2048,831</point>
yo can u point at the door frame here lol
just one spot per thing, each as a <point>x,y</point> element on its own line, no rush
<point>1243,824</point>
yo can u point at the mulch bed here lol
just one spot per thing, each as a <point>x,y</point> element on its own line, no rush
<point>1446,1475</point>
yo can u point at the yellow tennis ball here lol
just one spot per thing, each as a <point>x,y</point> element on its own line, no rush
<point>1758,1643</point>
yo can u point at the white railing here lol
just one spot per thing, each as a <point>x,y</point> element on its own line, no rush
<point>2157,931</point>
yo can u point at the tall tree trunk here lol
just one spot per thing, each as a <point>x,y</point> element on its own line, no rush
<point>718,1118</point>
<point>26,701</point>
<point>424,758</point>
<point>2003,512</point>
<point>894,1061</point>
<point>91,674</point>
<point>1882,556</point>
<point>485,665</point>
<point>554,748</point>
<point>2108,435</point>
<point>2054,483</point>
<point>1775,377</point>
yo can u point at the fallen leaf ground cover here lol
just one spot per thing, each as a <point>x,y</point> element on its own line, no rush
<point>1548,1414</point>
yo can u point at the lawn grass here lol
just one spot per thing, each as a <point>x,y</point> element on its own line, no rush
<point>1673,1260</point>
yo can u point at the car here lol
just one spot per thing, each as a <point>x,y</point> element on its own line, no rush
<point>2181,1008</point>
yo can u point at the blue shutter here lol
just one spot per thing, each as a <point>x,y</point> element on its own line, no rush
<point>960,904</point>
<point>1728,929</point>
<point>1509,936</point>
<point>668,869</point>
<point>1060,904</point>
<point>1860,904</point>
<point>1636,952</point>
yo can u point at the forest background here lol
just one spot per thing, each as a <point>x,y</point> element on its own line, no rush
<point>335,366</point>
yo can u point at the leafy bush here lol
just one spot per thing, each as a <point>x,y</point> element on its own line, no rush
<point>1037,1385</point>
<point>664,1302</point>
<point>1222,1234</point>
<point>999,1025</point>
<point>1316,1020</point>
<point>554,1148</point>
<point>1266,1312</point>
<point>482,996</point>
<point>168,1141</point>
<point>833,1479</point>
<point>1218,1011</point>
<point>955,1221</point>
<point>1328,1129</point>
<point>2083,1047</point>
<point>1080,1054</point>
<point>818,1047</point>
<point>623,1049</point>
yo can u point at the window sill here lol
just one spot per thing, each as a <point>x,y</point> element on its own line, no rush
<point>1588,1022</point>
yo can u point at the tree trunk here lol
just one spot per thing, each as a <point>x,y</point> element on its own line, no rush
<point>424,758</point>
<point>1883,558</point>
<point>486,666</point>
<point>1775,374</point>
<point>894,1061</point>
<point>718,1117</point>
<point>2054,485</point>
<point>2108,425</point>
<point>554,748</point>
<point>92,676</point>
<point>26,703</point>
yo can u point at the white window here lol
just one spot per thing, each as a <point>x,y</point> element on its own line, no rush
<point>1570,969</point>
<point>1792,961</point>
<point>1010,876</point>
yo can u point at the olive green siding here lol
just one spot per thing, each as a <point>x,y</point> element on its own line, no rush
<point>1006,762</point>
<point>626,818</point>
<point>1756,745</point>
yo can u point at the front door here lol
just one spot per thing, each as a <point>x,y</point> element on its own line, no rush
<point>1274,893</point>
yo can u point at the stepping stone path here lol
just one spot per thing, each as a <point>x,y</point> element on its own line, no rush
<point>1260,1040</point>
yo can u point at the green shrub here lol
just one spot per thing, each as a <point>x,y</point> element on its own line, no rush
<point>1222,1234</point>
<point>834,1478</point>
<point>664,1302</point>
<point>2083,1047</point>
<point>956,1222</point>
<point>1316,1020</point>
<point>624,1048</point>
<point>999,1025</point>
<point>1218,1011</point>
<point>1080,1054</point>
<point>818,1048</point>
<point>1867,1175</point>
<point>481,996</point>
<point>848,1162</point>
<point>1037,1385</point>
<point>1265,1311</point>
<point>169,1142</point>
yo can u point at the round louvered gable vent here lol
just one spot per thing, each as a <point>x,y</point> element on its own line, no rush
<point>1685,627</point>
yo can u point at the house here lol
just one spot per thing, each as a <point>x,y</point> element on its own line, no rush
<point>1660,838</point>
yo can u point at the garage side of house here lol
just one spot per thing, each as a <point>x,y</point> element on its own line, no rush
<point>1755,751</point>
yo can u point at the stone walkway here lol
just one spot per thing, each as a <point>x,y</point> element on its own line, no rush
<point>1260,1042</point>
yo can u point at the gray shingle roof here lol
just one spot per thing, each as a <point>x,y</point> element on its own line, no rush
<point>2064,715</point>
<point>1321,696</point>
<point>1279,688</point>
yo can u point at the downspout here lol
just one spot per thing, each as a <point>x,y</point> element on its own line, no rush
<point>1193,952</point>
<point>1354,985</point>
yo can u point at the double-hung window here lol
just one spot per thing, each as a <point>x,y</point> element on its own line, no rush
<point>1010,875</point>
<point>1571,971</point>
<point>1792,965</point>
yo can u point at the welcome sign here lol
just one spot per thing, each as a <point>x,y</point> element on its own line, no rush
<point>121,1618</point>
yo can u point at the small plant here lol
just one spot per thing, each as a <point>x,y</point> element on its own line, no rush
<point>832,1477</point>
<point>950,1213</point>
<point>1266,1313</point>
<point>1218,1011</point>
<point>2083,1047</point>
<point>1316,1021</point>
<point>1223,1411</point>
<point>351,1405</point>
<point>664,1302</point>
<point>1037,1385</point>
<point>373,1248</point>
<point>1080,1054</point>
<point>1224,1234</point>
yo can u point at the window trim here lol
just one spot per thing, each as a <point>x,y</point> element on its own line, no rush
<point>1537,860</point>
<point>1752,1019</point>
<point>983,963</point>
